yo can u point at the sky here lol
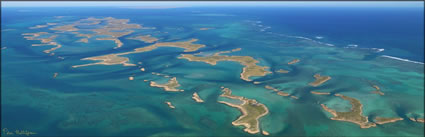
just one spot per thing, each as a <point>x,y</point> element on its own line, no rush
<point>212,3</point>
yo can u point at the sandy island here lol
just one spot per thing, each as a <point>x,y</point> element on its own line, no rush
<point>320,93</point>
<point>378,90</point>
<point>421,120</point>
<point>171,85</point>
<point>354,116</point>
<point>278,92</point>
<point>250,64</point>
<point>55,75</point>
<point>294,61</point>
<point>251,110</point>
<point>383,120</point>
<point>170,105</point>
<point>196,97</point>
<point>319,80</point>
<point>265,133</point>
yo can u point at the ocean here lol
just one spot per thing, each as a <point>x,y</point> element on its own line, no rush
<point>355,46</point>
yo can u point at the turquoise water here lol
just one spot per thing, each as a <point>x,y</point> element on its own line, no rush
<point>100,100</point>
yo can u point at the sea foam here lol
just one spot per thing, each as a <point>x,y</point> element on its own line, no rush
<point>401,59</point>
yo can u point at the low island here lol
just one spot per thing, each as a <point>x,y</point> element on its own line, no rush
<point>354,116</point>
<point>319,80</point>
<point>171,85</point>
<point>251,110</point>
<point>145,38</point>
<point>250,64</point>
<point>115,59</point>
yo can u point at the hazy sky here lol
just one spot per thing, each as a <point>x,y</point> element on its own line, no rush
<point>211,3</point>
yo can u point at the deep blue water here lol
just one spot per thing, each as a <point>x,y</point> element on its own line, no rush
<point>392,29</point>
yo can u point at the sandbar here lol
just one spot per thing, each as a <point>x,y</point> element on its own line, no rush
<point>294,97</point>
<point>383,120</point>
<point>319,80</point>
<point>354,116</point>
<point>205,28</point>
<point>278,92</point>
<point>378,90</point>
<point>294,61</point>
<point>421,120</point>
<point>170,105</point>
<point>196,97</point>
<point>265,133</point>
<point>320,93</point>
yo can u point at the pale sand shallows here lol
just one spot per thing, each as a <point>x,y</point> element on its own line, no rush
<point>382,120</point>
<point>84,40</point>
<point>251,110</point>
<point>354,116</point>
<point>250,64</point>
<point>320,93</point>
<point>115,59</point>
<point>294,61</point>
<point>196,97</point>
<point>319,80</point>
<point>170,105</point>
<point>294,97</point>
<point>205,28</point>
<point>171,85</point>
<point>282,71</point>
